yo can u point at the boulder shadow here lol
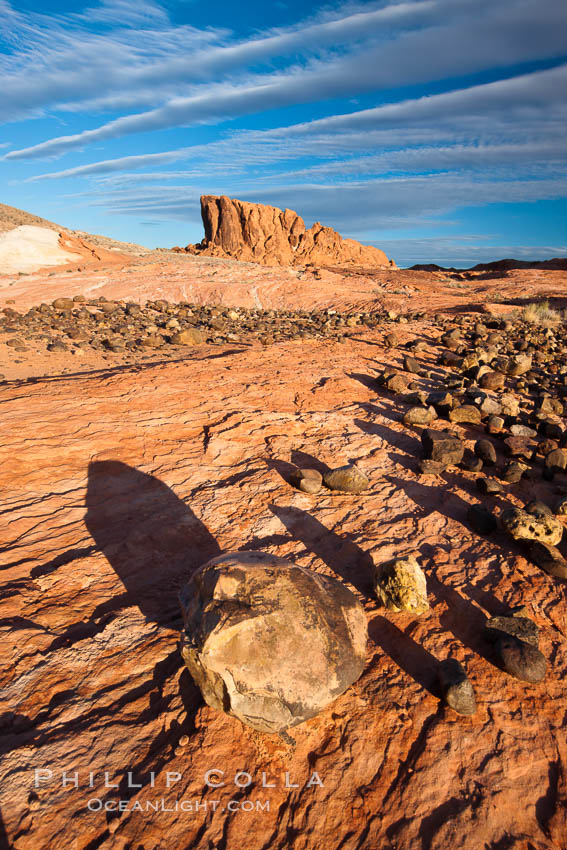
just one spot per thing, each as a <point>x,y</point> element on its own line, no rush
<point>406,653</point>
<point>152,540</point>
<point>344,558</point>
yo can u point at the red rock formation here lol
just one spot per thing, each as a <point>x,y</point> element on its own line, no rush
<point>257,233</point>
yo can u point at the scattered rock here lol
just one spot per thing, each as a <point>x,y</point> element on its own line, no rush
<point>189,336</point>
<point>485,450</point>
<point>401,586</point>
<point>521,525</point>
<point>456,689</point>
<point>308,480</point>
<point>466,414</point>
<point>518,658</point>
<point>519,627</point>
<point>442,447</point>
<point>419,416</point>
<point>489,486</point>
<point>347,479</point>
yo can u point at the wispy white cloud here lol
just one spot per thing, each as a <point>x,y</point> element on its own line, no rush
<point>353,208</point>
<point>529,104</point>
<point>395,45</point>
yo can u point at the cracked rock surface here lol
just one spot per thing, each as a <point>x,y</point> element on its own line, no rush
<point>120,479</point>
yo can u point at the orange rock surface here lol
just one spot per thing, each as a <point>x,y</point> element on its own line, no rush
<point>118,479</point>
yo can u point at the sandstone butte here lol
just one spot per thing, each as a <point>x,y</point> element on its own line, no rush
<point>258,233</point>
<point>121,474</point>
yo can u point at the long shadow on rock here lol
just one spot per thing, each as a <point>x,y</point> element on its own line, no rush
<point>406,653</point>
<point>343,557</point>
<point>284,469</point>
<point>397,439</point>
<point>432,498</point>
<point>151,538</point>
<point>307,461</point>
<point>461,617</point>
<point>368,381</point>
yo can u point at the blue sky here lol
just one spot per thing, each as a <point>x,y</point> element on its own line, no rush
<point>434,129</point>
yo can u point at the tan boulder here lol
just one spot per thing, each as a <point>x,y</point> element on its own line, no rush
<point>522,525</point>
<point>269,642</point>
<point>401,586</point>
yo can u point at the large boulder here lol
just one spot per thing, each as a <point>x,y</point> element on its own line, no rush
<point>269,642</point>
<point>258,233</point>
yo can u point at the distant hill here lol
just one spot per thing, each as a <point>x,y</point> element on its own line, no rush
<point>12,217</point>
<point>557,264</point>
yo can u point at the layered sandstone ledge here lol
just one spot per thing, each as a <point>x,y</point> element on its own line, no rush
<point>263,234</point>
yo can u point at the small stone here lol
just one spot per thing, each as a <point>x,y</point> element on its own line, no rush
<point>491,381</point>
<point>556,460</point>
<point>521,525</point>
<point>57,346</point>
<point>115,345</point>
<point>485,450</point>
<point>183,741</point>
<point>519,447</point>
<point>490,407</point>
<point>449,358</point>
<point>189,336</point>
<point>397,384</point>
<point>391,340</point>
<point>560,507</point>
<point>401,586</point>
<point>481,519</point>
<point>490,486</point>
<point>308,480</point>
<point>519,364</point>
<point>411,365</point>
<point>456,688</point>
<point>419,416</point>
<point>62,304</point>
<point>519,659</point>
<point>510,405</point>
<point>441,446</point>
<point>471,463</point>
<point>513,472</point>
<point>538,508</point>
<point>466,414</point>
<point>519,627</point>
<point>153,341</point>
<point>549,559</point>
<point>495,424</point>
<point>347,479</point>
<point>518,430</point>
<point>546,404</point>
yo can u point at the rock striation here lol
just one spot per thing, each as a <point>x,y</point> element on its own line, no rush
<point>269,642</point>
<point>258,233</point>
